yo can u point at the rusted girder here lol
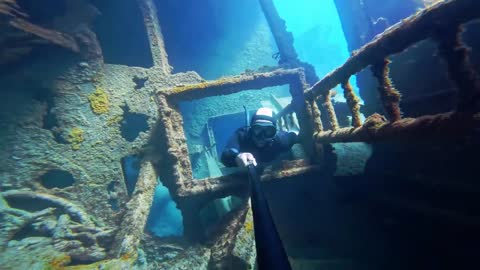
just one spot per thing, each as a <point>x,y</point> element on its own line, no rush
<point>353,103</point>
<point>217,187</point>
<point>448,126</point>
<point>283,38</point>
<point>133,223</point>
<point>399,37</point>
<point>235,230</point>
<point>389,95</point>
<point>52,36</point>
<point>19,36</point>
<point>317,116</point>
<point>157,44</point>
<point>328,105</point>
<point>178,168</point>
<point>237,183</point>
<point>460,69</point>
<point>231,85</point>
<point>289,169</point>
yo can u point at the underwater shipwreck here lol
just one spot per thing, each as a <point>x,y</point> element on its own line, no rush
<point>95,124</point>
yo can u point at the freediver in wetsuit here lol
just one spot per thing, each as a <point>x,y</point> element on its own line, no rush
<point>259,143</point>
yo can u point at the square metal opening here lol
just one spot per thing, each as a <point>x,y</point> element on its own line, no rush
<point>201,140</point>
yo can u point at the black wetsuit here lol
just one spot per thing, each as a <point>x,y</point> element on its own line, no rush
<point>241,142</point>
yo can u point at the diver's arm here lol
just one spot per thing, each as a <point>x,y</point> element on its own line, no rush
<point>239,159</point>
<point>232,155</point>
<point>231,151</point>
<point>228,157</point>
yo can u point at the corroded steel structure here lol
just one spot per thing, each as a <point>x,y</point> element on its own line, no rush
<point>442,22</point>
<point>168,157</point>
<point>192,194</point>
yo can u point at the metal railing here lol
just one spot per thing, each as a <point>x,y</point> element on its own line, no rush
<point>444,24</point>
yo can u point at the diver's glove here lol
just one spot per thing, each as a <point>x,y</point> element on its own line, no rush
<point>245,159</point>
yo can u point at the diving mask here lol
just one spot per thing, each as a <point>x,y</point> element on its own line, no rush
<point>265,132</point>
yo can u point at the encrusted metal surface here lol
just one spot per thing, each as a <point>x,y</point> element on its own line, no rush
<point>446,17</point>
<point>177,173</point>
<point>399,37</point>
<point>429,128</point>
<point>92,148</point>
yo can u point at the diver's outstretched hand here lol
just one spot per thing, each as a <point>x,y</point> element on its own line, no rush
<point>245,159</point>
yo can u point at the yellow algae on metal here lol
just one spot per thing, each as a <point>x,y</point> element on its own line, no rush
<point>204,85</point>
<point>99,101</point>
<point>75,137</point>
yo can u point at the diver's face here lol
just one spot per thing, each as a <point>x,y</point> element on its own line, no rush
<point>262,135</point>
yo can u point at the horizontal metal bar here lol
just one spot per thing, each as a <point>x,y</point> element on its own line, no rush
<point>231,85</point>
<point>222,186</point>
<point>447,126</point>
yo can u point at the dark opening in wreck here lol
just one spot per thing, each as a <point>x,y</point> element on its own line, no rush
<point>122,33</point>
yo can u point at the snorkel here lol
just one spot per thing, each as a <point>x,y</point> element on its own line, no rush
<point>247,117</point>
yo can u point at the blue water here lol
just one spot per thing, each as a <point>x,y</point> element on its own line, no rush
<point>165,219</point>
<point>373,207</point>
<point>318,35</point>
<point>216,38</point>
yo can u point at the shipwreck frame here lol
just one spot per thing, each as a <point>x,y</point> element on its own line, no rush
<point>178,177</point>
<point>442,22</point>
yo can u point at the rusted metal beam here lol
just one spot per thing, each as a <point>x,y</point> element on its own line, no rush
<point>237,183</point>
<point>175,167</point>
<point>389,95</point>
<point>13,20</point>
<point>54,37</point>
<point>155,36</point>
<point>328,105</point>
<point>231,85</point>
<point>233,241</point>
<point>353,103</point>
<point>292,168</point>
<point>399,37</point>
<point>283,38</point>
<point>444,127</point>
<point>317,116</point>
<point>460,69</point>
<point>131,230</point>
<point>175,152</point>
<point>216,187</point>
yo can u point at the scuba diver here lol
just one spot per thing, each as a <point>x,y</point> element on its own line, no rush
<point>260,142</point>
